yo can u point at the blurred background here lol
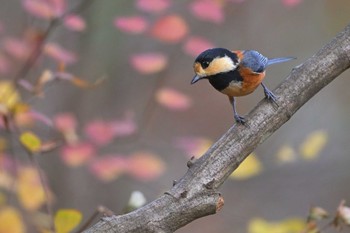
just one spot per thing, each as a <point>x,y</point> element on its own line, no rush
<point>137,128</point>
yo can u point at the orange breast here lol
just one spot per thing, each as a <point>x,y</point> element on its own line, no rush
<point>251,81</point>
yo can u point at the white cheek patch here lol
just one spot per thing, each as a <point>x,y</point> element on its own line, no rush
<point>221,65</point>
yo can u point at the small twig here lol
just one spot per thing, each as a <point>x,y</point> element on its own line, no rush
<point>99,210</point>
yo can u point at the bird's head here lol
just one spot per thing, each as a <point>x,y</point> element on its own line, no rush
<point>214,61</point>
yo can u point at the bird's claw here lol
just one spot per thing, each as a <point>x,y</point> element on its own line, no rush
<point>239,119</point>
<point>270,96</point>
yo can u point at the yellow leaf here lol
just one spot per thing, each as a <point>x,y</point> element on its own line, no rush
<point>313,144</point>
<point>3,144</point>
<point>2,199</point>
<point>11,221</point>
<point>251,166</point>
<point>9,97</point>
<point>286,154</point>
<point>291,225</point>
<point>30,191</point>
<point>30,141</point>
<point>66,220</point>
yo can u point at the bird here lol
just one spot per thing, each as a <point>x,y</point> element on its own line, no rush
<point>235,73</point>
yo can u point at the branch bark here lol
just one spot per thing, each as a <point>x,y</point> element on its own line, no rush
<point>196,195</point>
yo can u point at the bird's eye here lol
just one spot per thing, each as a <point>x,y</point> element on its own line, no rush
<point>205,64</point>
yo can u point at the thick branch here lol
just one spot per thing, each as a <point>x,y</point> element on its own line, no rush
<point>195,195</point>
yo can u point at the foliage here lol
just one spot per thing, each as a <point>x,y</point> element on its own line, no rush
<point>82,145</point>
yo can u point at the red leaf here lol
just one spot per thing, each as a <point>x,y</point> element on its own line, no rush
<point>74,22</point>
<point>145,166</point>
<point>153,6</point>
<point>100,132</point>
<point>17,48</point>
<point>148,63</point>
<point>132,24</point>
<point>78,154</point>
<point>291,3</point>
<point>172,29</point>
<point>60,54</point>
<point>195,45</point>
<point>208,10</point>
<point>172,99</point>
<point>108,167</point>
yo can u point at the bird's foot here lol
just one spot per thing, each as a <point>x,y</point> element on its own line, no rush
<point>239,119</point>
<point>270,96</point>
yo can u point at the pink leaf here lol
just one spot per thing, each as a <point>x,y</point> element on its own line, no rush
<point>148,63</point>
<point>124,127</point>
<point>17,48</point>
<point>39,8</point>
<point>208,10</point>
<point>145,166</point>
<point>100,132</point>
<point>77,154</point>
<point>65,122</point>
<point>108,167</point>
<point>291,3</point>
<point>195,45</point>
<point>193,146</point>
<point>172,99</point>
<point>131,24</point>
<point>74,22</point>
<point>171,28</point>
<point>153,6</point>
<point>4,64</point>
<point>58,6</point>
<point>41,117</point>
<point>60,54</point>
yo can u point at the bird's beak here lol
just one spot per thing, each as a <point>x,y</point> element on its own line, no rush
<point>196,78</point>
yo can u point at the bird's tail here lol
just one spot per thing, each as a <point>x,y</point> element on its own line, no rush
<point>276,60</point>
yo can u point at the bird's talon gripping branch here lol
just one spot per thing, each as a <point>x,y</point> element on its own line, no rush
<point>239,119</point>
<point>235,73</point>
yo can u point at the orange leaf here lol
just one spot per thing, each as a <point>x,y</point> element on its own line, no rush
<point>131,24</point>
<point>171,28</point>
<point>172,99</point>
<point>30,191</point>
<point>11,221</point>
<point>145,166</point>
<point>149,63</point>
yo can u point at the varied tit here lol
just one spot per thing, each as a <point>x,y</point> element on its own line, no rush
<point>234,73</point>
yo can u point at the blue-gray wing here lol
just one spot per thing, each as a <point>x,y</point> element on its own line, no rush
<point>254,60</point>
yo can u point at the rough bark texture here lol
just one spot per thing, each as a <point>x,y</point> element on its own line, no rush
<point>196,195</point>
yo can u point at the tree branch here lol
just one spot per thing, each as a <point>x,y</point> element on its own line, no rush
<point>196,195</point>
